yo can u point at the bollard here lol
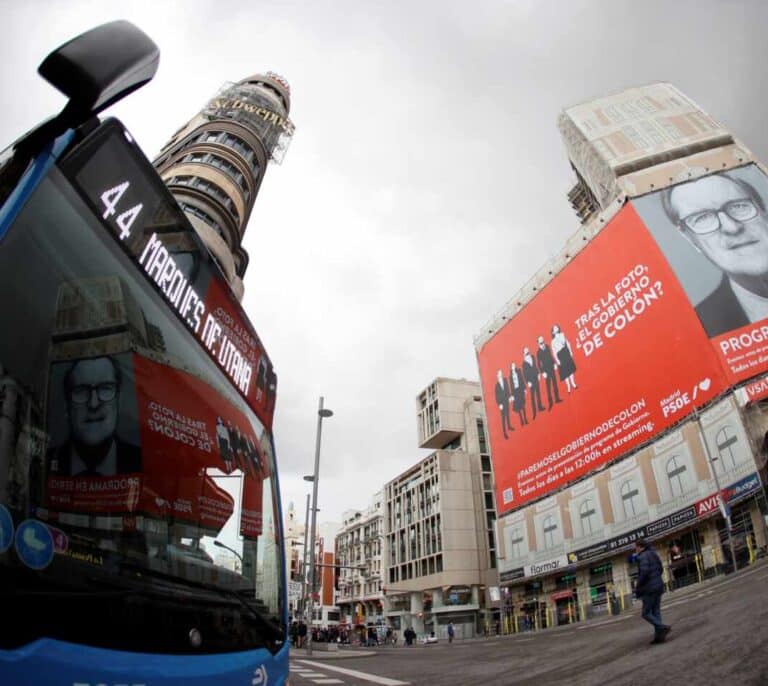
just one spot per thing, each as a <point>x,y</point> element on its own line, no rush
<point>751,549</point>
<point>570,613</point>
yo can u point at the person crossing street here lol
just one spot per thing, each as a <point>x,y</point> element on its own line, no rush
<point>650,587</point>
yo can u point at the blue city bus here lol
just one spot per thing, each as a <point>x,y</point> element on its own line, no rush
<point>140,528</point>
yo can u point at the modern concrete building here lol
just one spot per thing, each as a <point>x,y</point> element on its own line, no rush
<point>215,163</point>
<point>361,554</point>
<point>440,517</point>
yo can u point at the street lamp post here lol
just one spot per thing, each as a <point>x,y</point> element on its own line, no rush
<point>321,414</point>
<point>724,506</point>
<point>304,564</point>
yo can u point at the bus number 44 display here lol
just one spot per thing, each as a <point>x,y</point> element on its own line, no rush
<point>124,220</point>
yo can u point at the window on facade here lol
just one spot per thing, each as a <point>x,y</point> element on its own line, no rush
<point>485,463</point>
<point>210,137</point>
<point>549,528</point>
<point>588,516</point>
<point>678,482</point>
<point>205,217</point>
<point>515,543</point>
<point>726,439</point>
<point>481,436</point>
<point>630,498</point>
<point>489,501</point>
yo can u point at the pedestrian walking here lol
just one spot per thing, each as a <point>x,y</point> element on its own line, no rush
<point>302,635</point>
<point>450,632</point>
<point>650,587</point>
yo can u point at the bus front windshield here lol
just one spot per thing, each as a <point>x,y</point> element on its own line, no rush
<point>138,505</point>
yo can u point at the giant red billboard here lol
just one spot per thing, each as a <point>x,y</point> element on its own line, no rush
<point>605,357</point>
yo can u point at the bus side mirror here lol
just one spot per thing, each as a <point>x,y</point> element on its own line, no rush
<point>94,70</point>
<point>101,66</point>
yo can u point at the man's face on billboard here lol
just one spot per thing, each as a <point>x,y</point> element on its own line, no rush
<point>92,399</point>
<point>725,223</point>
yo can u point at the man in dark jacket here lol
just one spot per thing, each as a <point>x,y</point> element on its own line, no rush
<point>650,587</point>
<point>547,366</point>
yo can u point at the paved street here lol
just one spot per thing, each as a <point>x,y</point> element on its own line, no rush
<point>718,637</point>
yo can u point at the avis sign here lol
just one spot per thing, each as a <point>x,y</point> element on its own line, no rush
<point>710,504</point>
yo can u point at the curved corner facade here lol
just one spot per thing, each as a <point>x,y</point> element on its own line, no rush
<point>215,163</point>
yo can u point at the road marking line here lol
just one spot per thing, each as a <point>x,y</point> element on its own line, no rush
<point>606,623</point>
<point>327,681</point>
<point>384,681</point>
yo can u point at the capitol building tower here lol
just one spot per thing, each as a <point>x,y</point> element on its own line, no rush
<point>215,163</point>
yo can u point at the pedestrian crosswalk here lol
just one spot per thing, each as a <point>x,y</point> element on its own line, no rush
<point>310,671</point>
<point>313,676</point>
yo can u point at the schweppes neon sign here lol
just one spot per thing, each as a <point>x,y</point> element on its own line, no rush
<point>229,104</point>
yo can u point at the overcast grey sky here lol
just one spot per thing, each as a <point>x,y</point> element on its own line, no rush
<point>426,181</point>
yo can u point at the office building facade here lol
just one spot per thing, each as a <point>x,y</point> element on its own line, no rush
<point>361,555</point>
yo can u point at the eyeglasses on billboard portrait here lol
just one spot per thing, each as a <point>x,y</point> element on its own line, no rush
<point>708,221</point>
<point>81,393</point>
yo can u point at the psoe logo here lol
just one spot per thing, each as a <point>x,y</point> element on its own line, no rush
<point>260,677</point>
